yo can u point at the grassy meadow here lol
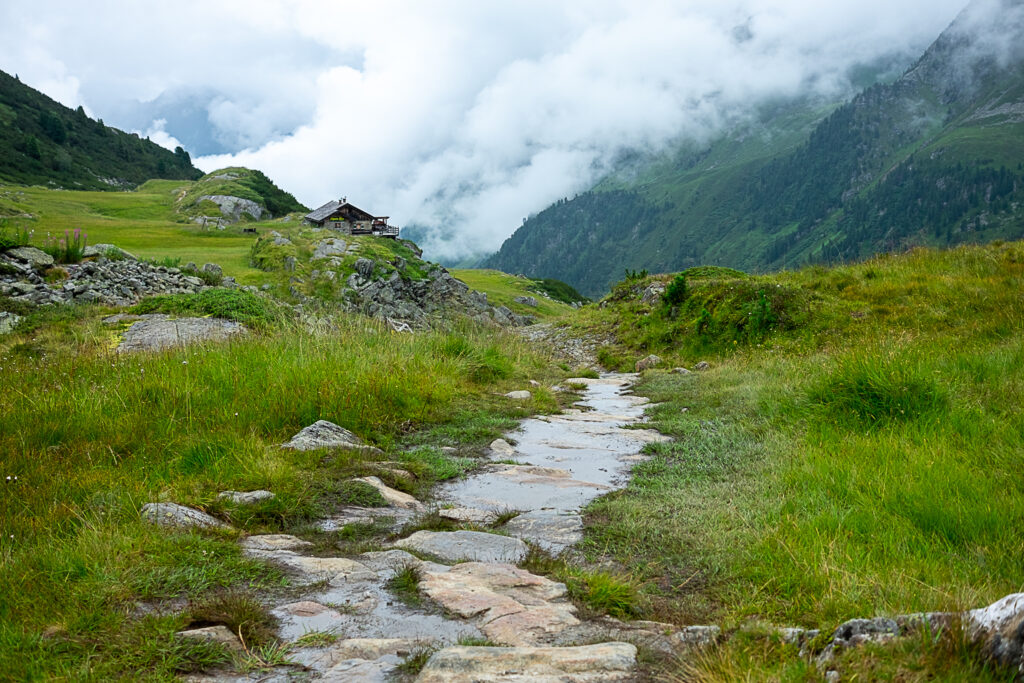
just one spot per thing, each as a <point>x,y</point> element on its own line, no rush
<point>88,436</point>
<point>854,450</point>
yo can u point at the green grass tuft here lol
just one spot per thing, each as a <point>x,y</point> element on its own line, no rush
<point>232,304</point>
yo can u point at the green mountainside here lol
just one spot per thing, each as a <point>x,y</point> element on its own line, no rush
<point>934,158</point>
<point>42,142</point>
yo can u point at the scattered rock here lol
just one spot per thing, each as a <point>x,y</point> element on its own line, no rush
<point>8,321</point>
<point>681,371</point>
<point>550,529</point>
<point>454,546</point>
<point>107,250</point>
<point>583,664</point>
<point>702,365</point>
<point>519,395</point>
<point>1000,628</point>
<point>245,497</point>
<point>274,542</point>
<point>324,434</point>
<point>502,448</point>
<point>174,515</point>
<point>337,570</point>
<point>365,268</point>
<point>393,497</point>
<point>359,659</point>
<point>213,269</point>
<point>526,301</point>
<point>697,636</point>
<point>648,362</point>
<point>857,632</point>
<point>390,561</point>
<point>512,606</point>
<point>214,634</point>
<point>156,332</point>
<point>471,515</point>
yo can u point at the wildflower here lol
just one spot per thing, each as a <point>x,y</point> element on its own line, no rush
<point>184,362</point>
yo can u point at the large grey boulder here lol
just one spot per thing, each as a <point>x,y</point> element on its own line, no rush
<point>647,363</point>
<point>232,208</point>
<point>324,434</point>
<point>174,515</point>
<point>37,258</point>
<point>156,332</point>
<point>365,267</point>
<point>453,546</point>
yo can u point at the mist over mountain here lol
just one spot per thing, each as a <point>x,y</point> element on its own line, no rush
<point>932,158</point>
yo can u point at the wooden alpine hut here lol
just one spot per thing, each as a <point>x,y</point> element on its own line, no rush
<point>351,220</point>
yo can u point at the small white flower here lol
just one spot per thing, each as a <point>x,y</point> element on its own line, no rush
<point>184,362</point>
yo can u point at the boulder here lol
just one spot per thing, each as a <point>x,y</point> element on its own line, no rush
<point>681,371</point>
<point>519,395</point>
<point>156,332</point>
<point>582,664</point>
<point>526,301</point>
<point>213,269</point>
<point>648,362</point>
<point>502,448</point>
<point>394,497</point>
<point>324,434</point>
<point>37,258</point>
<point>1000,629</point>
<point>174,515</point>
<point>702,365</point>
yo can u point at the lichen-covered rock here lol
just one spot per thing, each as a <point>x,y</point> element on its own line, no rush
<point>324,434</point>
<point>174,515</point>
<point>1000,628</point>
<point>219,634</point>
<point>8,321</point>
<point>526,301</point>
<point>37,258</point>
<point>107,250</point>
<point>519,395</point>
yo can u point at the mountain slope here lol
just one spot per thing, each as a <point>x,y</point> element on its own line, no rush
<point>42,142</point>
<point>933,158</point>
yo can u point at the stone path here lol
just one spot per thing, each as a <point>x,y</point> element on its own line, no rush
<point>471,588</point>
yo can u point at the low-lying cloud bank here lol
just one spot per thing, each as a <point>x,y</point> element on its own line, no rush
<point>464,117</point>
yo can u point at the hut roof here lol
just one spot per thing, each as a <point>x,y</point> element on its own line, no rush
<point>333,206</point>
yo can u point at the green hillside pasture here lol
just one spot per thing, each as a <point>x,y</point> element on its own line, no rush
<point>142,222</point>
<point>865,462</point>
<point>501,288</point>
<point>89,436</point>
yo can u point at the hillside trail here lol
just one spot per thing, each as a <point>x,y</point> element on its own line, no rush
<point>477,615</point>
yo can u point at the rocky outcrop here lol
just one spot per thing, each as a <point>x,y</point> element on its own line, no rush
<point>232,208</point>
<point>119,282</point>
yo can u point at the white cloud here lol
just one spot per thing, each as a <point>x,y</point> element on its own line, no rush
<point>460,116</point>
<point>156,133</point>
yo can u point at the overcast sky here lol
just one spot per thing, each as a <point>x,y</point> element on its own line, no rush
<point>461,116</point>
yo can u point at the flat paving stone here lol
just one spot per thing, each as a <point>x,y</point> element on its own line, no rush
<point>584,664</point>
<point>455,546</point>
